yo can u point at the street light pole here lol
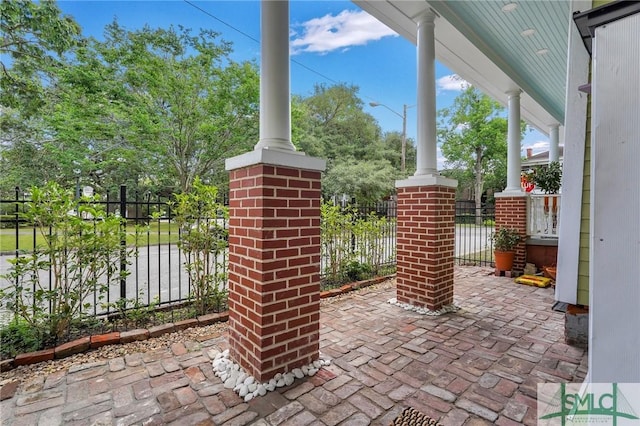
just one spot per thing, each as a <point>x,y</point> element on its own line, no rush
<point>403,155</point>
<point>403,159</point>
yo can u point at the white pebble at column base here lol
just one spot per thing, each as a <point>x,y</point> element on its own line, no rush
<point>424,311</point>
<point>234,377</point>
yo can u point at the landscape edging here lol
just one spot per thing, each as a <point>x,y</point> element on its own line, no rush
<point>113,338</point>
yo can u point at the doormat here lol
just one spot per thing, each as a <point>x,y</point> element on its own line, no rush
<point>414,417</point>
<point>560,307</point>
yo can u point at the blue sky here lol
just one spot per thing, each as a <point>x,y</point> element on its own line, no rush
<point>337,40</point>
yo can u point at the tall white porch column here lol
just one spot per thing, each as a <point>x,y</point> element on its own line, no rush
<point>275,104</point>
<point>554,142</point>
<point>427,154</point>
<point>513,143</point>
<point>274,228</point>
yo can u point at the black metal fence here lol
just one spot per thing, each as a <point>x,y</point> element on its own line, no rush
<point>385,241</point>
<point>474,227</point>
<point>358,242</point>
<point>151,268</point>
<point>156,274</point>
<point>153,264</point>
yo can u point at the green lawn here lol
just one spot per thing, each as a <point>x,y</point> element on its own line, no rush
<point>486,224</point>
<point>155,233</point>
<point>479,256</point>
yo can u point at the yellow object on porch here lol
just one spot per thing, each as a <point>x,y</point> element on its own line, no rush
<point>534,280</point>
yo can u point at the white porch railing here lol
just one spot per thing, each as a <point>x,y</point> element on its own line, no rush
<point>544,215</point>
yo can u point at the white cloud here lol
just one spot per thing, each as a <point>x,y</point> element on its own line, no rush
<point>452,82</point>
<point>538,146</point>
<point>441,161</point>
<point>339,32</point>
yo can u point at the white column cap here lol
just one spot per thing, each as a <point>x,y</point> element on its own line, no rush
<point>276,157</point>
<point>427,180</point>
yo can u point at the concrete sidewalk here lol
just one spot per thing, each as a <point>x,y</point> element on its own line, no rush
<point>477,366</point>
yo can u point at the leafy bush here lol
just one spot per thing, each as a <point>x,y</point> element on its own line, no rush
<point>338,246</point>
<point>369,231</point>
<point>81,253</point>
<point>356,271</point>
<point>18,337</point>
<point>7,221</point>
<point>505,239</point>
<point>351,246</point>
<point>133,312</point>
<point>203,241</point>
<point>548,179</point>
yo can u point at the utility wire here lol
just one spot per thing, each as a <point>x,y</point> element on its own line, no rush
<point>257,41</point>
<point>222,22</point>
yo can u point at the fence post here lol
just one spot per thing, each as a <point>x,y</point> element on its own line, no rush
<point>123,242</point>
<point>17,217</point>
<point>353,222</point>
<point>17,252</point>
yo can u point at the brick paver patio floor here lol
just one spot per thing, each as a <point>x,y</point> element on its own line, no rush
<point>477,366</point>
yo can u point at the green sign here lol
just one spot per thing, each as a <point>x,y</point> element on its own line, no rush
<point>595,403</point>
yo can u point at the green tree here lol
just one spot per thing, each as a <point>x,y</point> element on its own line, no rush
<point>150,108</point>
<point>391,150</point>
<point>23,161</point>
<point>331,123</point>
<point>33,38</point>
<point>473,133</point>
<point>337,127</point>
<point>367,181</point>
<point>466,181</point>
<point>174,96</point>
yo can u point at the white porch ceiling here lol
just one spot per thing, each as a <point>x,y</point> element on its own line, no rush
<point>485,46</point>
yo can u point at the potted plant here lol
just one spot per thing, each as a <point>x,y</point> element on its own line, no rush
<point>548,180</point>
<point>505,241</point>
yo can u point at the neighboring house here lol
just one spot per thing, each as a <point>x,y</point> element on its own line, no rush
<point>532,57</point>
<point>539,159</point>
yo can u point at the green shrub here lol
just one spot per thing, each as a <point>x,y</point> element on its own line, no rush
<point>133,312</point>
<point>18,337</point>
<point>356,271</point>
<point>369,232</point>
<point>80,251</point>
<point>505,239</point>
<point>203,241</point>
<point>336,227</point>
<point>351,244</point>
<point>548,179</point>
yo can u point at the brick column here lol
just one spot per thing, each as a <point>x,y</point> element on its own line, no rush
<point>426,243</point>
<point>511,212</point>
<point>274,261</point>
